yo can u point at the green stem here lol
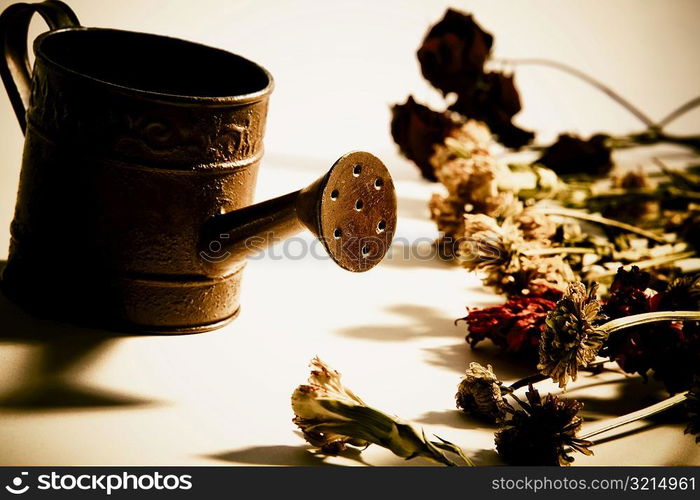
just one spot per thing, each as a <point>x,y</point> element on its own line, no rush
<point>647,412</point>
<point>598,219</point>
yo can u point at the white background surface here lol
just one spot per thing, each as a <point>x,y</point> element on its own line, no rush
<point>223,397</point>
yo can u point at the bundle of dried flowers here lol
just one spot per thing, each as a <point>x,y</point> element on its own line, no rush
<point>453,57</point>
<point>331,417</point>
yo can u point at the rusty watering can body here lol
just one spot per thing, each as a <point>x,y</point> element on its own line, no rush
<point>138,174</point>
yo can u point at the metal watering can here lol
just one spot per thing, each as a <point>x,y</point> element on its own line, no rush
<point>140,161</point>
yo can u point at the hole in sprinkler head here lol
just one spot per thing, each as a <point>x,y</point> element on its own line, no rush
<point>357,170</point>
<point>334,194</point>
<point>359,205</point>
<point>365,251</point>
<point>378,183</point>
<point>381,226</point>
<point>337,233</point>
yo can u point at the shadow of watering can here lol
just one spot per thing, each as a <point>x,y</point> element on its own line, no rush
<point>140,161</point>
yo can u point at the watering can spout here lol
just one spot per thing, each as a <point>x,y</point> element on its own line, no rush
<point>351,210</point>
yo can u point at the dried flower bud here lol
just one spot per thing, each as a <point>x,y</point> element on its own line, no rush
<point>571,338</point>
<point>481,393</point>
<point>331,417</point>
<point>573,155</point>
<point>541,431</point>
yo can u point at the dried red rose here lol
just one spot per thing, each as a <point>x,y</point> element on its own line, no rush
<point>515,326</point>
<point>494,100</point>
<point>453,52</point>
<point>573,155</point>
<point>416,129</point>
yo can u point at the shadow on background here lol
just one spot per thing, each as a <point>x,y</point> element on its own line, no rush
<point>423,322</point>
<point>456,357</point>
<point>49,380</point>
<point>283,455</point>
<point>456,419</point>
<point>414,256</point>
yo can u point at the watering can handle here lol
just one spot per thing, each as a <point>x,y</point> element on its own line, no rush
<point>14,63</point>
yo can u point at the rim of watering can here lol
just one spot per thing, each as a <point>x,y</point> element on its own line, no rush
<point>176,98</point>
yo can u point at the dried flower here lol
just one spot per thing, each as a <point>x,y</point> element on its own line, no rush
<point>495,101</point>
<point>636,200</point>
<point>331,417</point>
<point>675,354</point>
<point>693,406</point>
<point>473,181</point>
<point>416,129</point>
<point>681,294</point>
<point>481,393</point>
<point>634,179</point>
<point>629,294</point>
<point>536,226</point>
<point>310,409</point>
<point>670,350</point>
<point>573,155</point>
<point>515,326</point>
<point>452,58</point>
<point>454,51</point>
<point>571,338</point>
<point>541,431</point>
<point>509,263</point>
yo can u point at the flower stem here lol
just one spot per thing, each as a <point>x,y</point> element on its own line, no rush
<point>650,317</point>
<point>586,78</point>
<point>531,379</point>
<point>647,263</point>
<point>636,415</point>
<point>556,251</point>
<point>538,377</point>
<point>598,219</point>
<point>678,112</point>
